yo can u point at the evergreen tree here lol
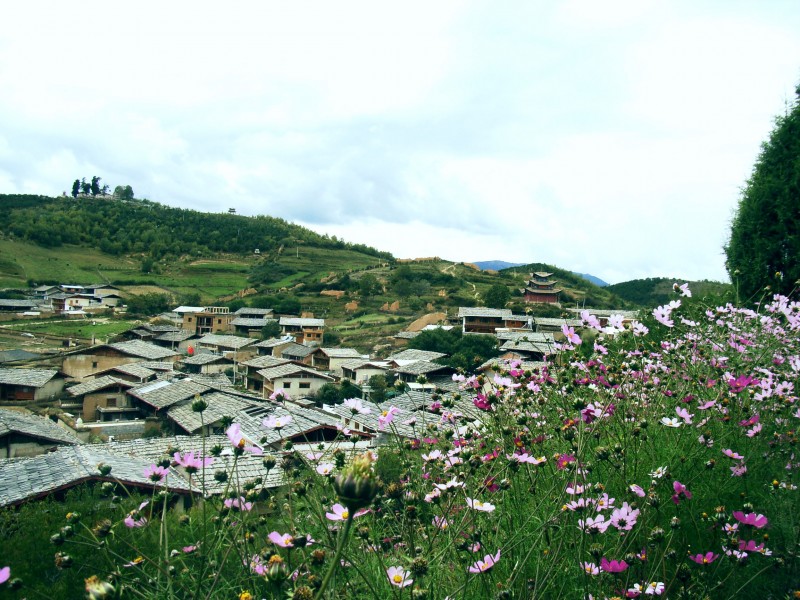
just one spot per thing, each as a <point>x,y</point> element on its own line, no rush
<point>76,188</point>
<point>764,245</point>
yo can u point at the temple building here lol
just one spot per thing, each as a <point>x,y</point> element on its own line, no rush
<point>541,289</point>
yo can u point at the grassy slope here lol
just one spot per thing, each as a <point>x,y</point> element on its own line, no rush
<point>655,291</point>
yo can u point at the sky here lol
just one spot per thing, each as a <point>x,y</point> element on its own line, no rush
<point>611,138</point>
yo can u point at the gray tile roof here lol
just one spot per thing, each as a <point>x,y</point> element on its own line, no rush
<point>284,370</point>
<point>262,362</point>
<point>261,312</point>
<point>219,405</point>
<point>161,394</point>
<point>248,466</point>
<point>421,367</point>
<point>556,322</point>
<point>303,421</point>
<point>482,311</point>
<point>132,369</point>
<point>412,354</point>
<point>33,425</point>
<point>251,322</point>
<point>8,356</point>
<point>297,350</point>
<point>94,385</point>
<point>522,345</point>
<point>407,335</point>
<point>27,377</point>
<point>302,322</point>
<point>225,341</point>
<point>340,352</point>
<point>271,343</point>
<point>204,358</point>
<point>142,350</point>
<point>28,478</point>
<point>13,303</point>
<point>175,336</point>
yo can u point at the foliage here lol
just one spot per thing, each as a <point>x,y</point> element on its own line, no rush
<point>654,291</point>
<point>149,304</point>
<point>465,352</point>
<point>497,296</point>
<point>271,330</point>
<point>764,245</point>
<point>369,285</point>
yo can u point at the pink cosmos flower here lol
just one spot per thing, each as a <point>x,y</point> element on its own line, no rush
<point>453,483</point>
<point>614,566</point>
<point>325,469</point>
<point>387,417</point>
<point>594,525</point>
<point>239,503</point>
<point>639,329</point>
<point>680,492</point>
<point>624,518</point>
<point>440,522</point>
<point>637,489</point>
<point>399,577</point>
<point>754,431</point>
<point>684,414</point>
<point>155,473</point>
<point>356,406</point>
<point>280,395</point>
<point>590,568</point>
<point>481,506</point>
<point>569,333</point>
<point>654,588</point>
<point>704,559</point>
<point>662,314</point>
<point>564,460</point>
<point>684,290</point>
<point>340,513</point>
<point>757,521</point>
<point>189,549</point>
<point>192,463</point>
<point>484,565</point>
<point>589,320</point>
<point>131,522</point>
<point>285,540</point>
<point>276,422</point>
<point>615,321</point>
<point>5,574</point>
<point>738,470</point>
<point>238,440</point>
<point>731,454</point>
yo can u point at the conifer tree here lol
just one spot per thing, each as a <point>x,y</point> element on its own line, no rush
<point>764,246</point>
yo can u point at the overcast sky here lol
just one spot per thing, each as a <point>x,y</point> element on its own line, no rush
<point>604,137</point>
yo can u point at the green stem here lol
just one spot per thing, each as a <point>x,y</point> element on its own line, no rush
<point>339,549</point>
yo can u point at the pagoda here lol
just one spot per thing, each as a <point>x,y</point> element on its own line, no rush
<point>541,289</point>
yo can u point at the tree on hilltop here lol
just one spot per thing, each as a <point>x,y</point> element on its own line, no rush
<point>764,245</point>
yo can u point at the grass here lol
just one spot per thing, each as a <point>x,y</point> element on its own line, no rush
<point>98,328</point>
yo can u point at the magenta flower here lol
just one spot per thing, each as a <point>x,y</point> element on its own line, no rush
<point>704,559</point>
<point>285,540</point>
<point>757,521</point>
<point>614,566</point>
<point>399,577</point>
<point>5,573</point>
<point>680,492</point>
<point>238,440</point>
<point>155,473</point>
<point>484,565</point>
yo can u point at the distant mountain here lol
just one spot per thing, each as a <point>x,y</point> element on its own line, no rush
<point>595,280</point>
<point>495,265</point>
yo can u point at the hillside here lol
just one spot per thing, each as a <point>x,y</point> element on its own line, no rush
<point>656,291</point>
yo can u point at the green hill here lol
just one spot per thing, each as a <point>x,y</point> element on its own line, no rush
<point>656,291</point>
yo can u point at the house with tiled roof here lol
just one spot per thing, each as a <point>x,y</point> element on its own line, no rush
<point>480,319</point>
<point>297,353</point>
<point>206,363</point>
<point>26,434</point>
<point>304,330</point>
<point>52,474</point>
<point>30,384</point>
<point>297,381</point>
<point>273,346</point>
<point>359,370</point>
<point>104,399</point>
<point>331,359</point>
<point>105,356</point>
<point>205,319</point>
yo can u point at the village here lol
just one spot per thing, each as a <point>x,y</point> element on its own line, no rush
<point>179,381</point>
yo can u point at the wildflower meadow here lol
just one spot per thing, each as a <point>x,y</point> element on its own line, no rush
<point>653,458</point>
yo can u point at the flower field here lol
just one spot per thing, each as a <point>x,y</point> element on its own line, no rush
<point>658,459</point>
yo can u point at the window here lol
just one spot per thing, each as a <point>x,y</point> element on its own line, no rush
<point>189,319</point>
<point>94,364</point>
<point>219,321</point>
<point>111,402</point>
<point>287,385</point>
<point>304,385</point>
